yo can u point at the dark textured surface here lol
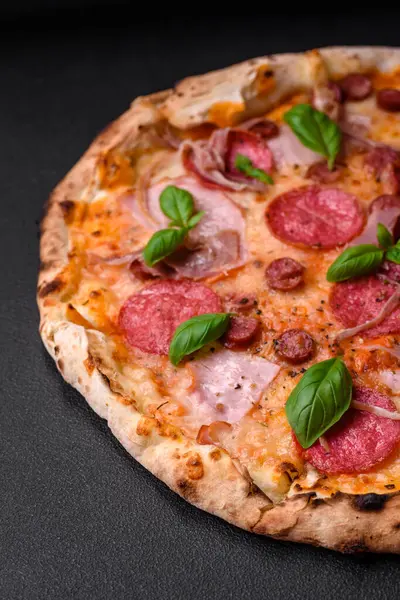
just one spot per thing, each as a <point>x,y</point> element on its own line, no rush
<point>78,517</point>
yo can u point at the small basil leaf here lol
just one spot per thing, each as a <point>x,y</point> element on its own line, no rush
<point>354,262</point>
<point>195,219</point>
<point>315,130</point>
<point>384,236</point>
<point>193,334</point>
<point>177,204</point>
<point>393,254</point>
<point>162,244</point>
<point>319,400</point>
<point>244,165</point>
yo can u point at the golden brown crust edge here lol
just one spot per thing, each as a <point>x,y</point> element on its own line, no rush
<point>204,475</point>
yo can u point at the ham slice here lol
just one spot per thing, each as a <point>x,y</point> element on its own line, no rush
<point>228,384</point>
<point>384,209</point>
<point>213,160</point>
<point>288,151</point>
<point>216,244</point>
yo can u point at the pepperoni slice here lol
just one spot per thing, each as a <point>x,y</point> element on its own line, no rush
<point>357,301</point>
<point>242,331</point>
<point>249,144</point>
<point>360,440</point>
<point>149,318</point>
<point>315,216</point>
<point>284,274</point>
<point>295,345</point>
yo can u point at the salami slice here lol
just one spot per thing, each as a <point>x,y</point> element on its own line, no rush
<point>149,318</point>
<point>360,440</point>
<point>357,301</point>
<point>252,146</point>
<point>315,217</point>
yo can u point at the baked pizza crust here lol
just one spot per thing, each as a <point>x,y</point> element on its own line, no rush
<point>205,475</point>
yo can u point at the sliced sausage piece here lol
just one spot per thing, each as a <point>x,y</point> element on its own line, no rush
<point>360,440</point>
<point>284,274</point>
<point>321,173</point>
<point>241,332</point>
<point>295,346</point>
<point>313,216</point>
<point>356,86</point>
<point>389,100</point>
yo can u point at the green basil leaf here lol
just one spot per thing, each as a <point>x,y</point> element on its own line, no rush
<point>354,262</point>
<point>177,204</point>
<point>162,244</point>
<point>315,130</point>
<point>319,400</point>
<point>384,236</point>
<point>195,219</point>
<point>393,254</point>
<point>193,334</point>
<point>244,165</point>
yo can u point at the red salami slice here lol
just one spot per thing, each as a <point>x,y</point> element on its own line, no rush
<point>249,144</point>
<point>315,216</point>
<point>357,301</point>
<point>149,318</point>
<point>360,440</point>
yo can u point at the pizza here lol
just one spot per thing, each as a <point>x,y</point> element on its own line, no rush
<point>220,279</point>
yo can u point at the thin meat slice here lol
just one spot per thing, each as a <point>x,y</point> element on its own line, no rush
<point>357,302</point>
<point>216,244</point>
<point>260,126</point>
<point>288,151</point>
<point>213,160</point>
<point>241,332</point>
<point>317,217</point>
<point>384,209</point>
<point>360,440</point>
<point>228,384</point>
<point>149,318</point>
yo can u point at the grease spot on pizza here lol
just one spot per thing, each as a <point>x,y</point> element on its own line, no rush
<point>225,114</point>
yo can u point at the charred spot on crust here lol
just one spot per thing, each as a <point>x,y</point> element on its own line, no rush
<point>370,501</point>
<point>67,206</point>
<point>60,364</point>
<point>187,489</point>
<point>194,466</point>
<point>89,364</point>
<point>354,547</point>
<point>45,265</point>
<point>50,287</point>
